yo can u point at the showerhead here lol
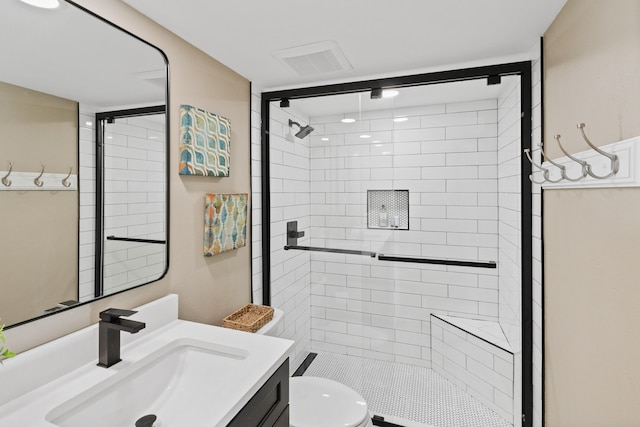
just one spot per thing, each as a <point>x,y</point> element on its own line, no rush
<point>304,130</point>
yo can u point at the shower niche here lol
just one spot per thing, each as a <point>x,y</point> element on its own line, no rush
<point>388,209</point>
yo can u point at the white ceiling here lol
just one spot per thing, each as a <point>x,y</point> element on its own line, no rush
<point>378,37</point>
<point>68,53</point>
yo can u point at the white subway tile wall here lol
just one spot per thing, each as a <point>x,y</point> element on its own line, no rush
<point>134,202</point>
<point>447,157</point>
<point>483,370</point>
<point>256,198</point>
<point>510,227</point>
<point>537,244</point>
<point>290,201</point>
<point>87,189</point>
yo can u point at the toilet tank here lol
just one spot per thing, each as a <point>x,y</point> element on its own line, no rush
<point>275,327</point>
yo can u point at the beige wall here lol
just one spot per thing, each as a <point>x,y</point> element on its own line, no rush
<point>591,237</point>
<point>39,229</point>
<point>209,288</point>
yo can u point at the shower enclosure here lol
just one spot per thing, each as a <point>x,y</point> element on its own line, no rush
<point>396,237</point>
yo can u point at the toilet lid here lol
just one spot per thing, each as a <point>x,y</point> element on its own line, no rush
<point>320,402</point>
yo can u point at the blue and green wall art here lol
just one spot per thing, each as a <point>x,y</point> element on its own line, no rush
<point>205,142</point>
<point>225,222</point>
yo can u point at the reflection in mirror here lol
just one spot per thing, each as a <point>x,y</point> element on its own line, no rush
<point>133,199</point>
<point>86,101</point>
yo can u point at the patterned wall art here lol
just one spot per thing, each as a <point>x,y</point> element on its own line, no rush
<point>225,222</point>
<point>205,143</point>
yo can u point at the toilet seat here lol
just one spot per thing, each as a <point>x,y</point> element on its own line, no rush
<point>320,402</point>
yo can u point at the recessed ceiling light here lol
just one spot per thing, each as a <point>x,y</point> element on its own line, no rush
<point>389,93</point>
<point>365,136</point>
<point>44,4</point>
<point>348,120</point>
<point>87,123</point>
<point>324,139</point>
<point>400,119</point>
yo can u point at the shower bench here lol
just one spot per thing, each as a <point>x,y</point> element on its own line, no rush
<point>475,355</point>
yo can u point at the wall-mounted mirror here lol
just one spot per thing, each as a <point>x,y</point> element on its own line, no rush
<point>83,160</point>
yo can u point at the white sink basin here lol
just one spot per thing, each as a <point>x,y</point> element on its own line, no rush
<point>179,384</point>
<point>186,373</point>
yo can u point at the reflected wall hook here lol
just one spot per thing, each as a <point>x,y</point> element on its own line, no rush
<point>615,161</point>
<point>5,179</point>
<point>545,172</point>
<point>66,181</point>
<point>37,181</point>
<point>585,166</point>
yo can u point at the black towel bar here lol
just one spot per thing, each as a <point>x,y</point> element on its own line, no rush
<point>332,250</point>
<point>130,239</point>
<point>453,262</point>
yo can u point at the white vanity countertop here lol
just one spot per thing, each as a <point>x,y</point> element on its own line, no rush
<point>265,355</point>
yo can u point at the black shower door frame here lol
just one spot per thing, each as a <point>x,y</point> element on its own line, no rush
<point>490,72</point>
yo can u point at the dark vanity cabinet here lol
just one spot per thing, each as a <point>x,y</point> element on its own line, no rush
<point>269,407</point>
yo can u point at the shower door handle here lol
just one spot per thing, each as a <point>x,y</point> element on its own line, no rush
<point>293,234</point>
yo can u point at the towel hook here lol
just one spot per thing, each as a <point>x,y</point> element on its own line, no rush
<point>37,181</point>
<point>615,161</point>
<point>545,172</point>
<point>66,181</point>
<point>5,179</point>
<point>563,169</point>
<point>583,164</point>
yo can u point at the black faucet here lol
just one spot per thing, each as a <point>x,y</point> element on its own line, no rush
<point>109,329</point>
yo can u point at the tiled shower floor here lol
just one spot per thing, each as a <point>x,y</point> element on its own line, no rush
<point>406,392</point>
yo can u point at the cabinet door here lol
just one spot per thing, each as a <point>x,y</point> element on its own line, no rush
<point>283,420</point>
<point>267,407</point>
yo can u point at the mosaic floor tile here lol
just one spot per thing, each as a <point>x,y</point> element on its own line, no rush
<point>405,391</point>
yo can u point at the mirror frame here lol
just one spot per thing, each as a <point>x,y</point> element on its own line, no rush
<point>166,180</point>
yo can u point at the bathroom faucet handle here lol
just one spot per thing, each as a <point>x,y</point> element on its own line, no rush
<point>110,314</point>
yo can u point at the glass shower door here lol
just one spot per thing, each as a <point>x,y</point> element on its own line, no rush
<point>132,217</point>
<point>409,262</point>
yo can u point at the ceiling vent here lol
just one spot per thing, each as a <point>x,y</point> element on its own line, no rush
<point>155,77</point>
<point>317,58</point>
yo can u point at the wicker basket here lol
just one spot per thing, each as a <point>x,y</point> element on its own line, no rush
<point>249,318</point>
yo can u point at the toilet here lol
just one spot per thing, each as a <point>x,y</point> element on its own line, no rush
<point>320,402</point>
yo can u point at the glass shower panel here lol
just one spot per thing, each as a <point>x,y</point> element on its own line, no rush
<point>407,271</point>
<point>133,201</point>
<point>339,288</point>
<point>290,215</point>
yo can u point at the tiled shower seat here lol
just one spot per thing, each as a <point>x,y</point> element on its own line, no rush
<point>475,355</point>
